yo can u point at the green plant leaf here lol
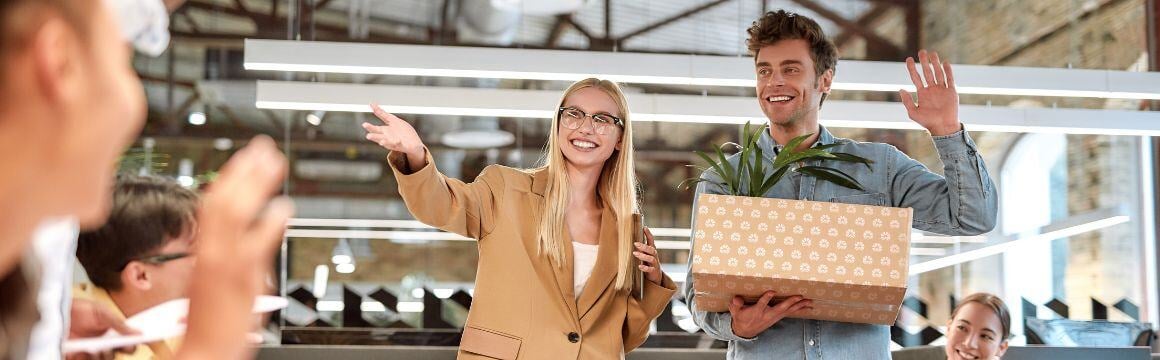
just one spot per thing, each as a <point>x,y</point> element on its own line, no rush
<point>791,157</point>
<point>699,169</point>
<point>757,175</point>
<point>715,166</point>
<point>749,172</point>
<point>712,164</point>
<point>832,175</point>
<point>797,141</point>
<point>772,180</point>
<point>746,135</point>
<point>730,174</point>
<point>847,157</point>
<point>826,146</point>
<point>691,182</point>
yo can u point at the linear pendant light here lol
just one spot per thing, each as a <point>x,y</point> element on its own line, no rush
<point>669,69</point>
<point>685,108</point>
<point>1079,225</point>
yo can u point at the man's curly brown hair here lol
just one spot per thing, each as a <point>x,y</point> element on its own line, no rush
<point>781,25</point>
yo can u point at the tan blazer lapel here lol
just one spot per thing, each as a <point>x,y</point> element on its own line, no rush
<point>559,277</point>
<point>604,271</point>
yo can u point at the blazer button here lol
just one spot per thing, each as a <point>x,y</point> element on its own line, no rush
<point>573,337</point>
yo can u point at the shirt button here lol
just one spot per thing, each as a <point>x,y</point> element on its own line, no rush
<point>811,343</point>
<point>573,337</point>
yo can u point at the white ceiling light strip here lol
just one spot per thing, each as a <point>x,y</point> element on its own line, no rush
<point>375,234</point>
<point>685,108</point>
<point>371,306</point>
<point>668,69</point>
<point>1048,235</point>
<point>358,223</point>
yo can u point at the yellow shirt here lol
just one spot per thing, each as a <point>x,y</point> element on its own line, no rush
<point>155,350</point>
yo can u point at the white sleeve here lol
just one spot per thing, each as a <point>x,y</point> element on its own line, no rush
<point>54,245</point>
<point>144,23</point>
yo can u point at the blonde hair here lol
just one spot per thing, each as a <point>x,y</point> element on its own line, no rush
<point>617,187</point>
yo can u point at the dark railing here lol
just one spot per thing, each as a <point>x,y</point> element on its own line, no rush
<point>432,329</point>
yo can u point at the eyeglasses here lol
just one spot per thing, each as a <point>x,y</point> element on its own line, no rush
<point>158,259</point>
<point>573,118</point>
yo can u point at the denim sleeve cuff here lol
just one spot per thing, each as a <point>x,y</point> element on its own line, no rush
<point>725,328</point>
<point>957,144</point>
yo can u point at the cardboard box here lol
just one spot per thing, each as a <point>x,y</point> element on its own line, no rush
<point>851,260</point>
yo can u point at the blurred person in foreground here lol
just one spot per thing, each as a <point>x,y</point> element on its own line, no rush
<point>144,23</point>
<point>70,103</point>
<point>143,255</point>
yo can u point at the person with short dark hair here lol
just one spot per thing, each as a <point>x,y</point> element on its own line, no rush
<point>979,328</point>
<point>794,65</point>
<point>143,255</point>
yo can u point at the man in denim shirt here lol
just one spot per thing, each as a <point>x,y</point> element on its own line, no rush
<point>794,66</point>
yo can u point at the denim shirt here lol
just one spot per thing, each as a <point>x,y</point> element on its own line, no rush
<point>962,203</point>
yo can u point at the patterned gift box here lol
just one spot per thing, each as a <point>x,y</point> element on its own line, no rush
<point>851,260</point>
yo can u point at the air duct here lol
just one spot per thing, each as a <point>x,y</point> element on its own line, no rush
<point>481,22</point>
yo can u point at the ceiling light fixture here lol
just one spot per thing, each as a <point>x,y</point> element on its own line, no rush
<point>669,69</point>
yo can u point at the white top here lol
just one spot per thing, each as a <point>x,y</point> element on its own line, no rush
<point>144,24</point>
<point>54,244</point>
<point>583,260</point>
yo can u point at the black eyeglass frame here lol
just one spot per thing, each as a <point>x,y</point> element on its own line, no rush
<point>615,120</point>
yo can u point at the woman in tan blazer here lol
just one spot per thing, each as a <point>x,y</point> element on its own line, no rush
<point>556,264</point>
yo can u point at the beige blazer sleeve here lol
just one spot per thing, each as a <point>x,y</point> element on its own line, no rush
<point>642,312</point>
<point>449,204</point>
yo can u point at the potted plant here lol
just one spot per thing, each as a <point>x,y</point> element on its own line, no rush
<point>851,260</point>
<point>748,177</point>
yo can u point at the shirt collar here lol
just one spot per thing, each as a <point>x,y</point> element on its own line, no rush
<point>770,146</point>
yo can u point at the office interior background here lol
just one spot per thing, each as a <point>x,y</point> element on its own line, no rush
<point>1071,142</point>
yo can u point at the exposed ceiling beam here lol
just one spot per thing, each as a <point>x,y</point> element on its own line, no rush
<point>575,25</point>
<point>557,32</point>
<point>235,40</point>
<point>185,105</point>
<point>151,78</point>
<point>274,120</point>
<point>189,21</point>
<point>865,21</point>
<point>669,20</point>
<point>242,6</point>
<point>273,27</point>
<point>872,38</point>
<point>318,6</point>
<point>894,2</point>
<point>607,19</point>
<point>913,28</point>
<point>233,118</point>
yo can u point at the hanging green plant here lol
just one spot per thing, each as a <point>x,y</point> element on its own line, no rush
<point>138,160</point>
<point>748,177</point>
